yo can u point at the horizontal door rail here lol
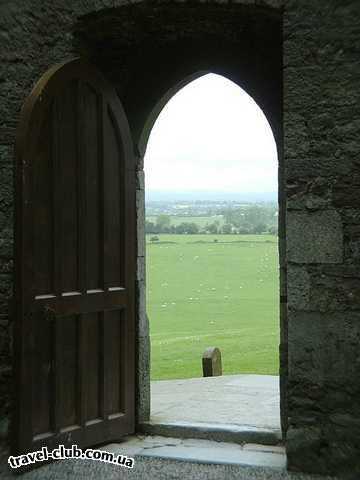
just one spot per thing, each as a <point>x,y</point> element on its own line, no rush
<point>81,303</point>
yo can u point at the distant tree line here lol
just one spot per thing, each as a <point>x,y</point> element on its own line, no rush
<point>253,219</point>
<point>250,219</point>
<point>163,225</point>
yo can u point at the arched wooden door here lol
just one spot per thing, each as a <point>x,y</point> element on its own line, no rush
<point>75,263</point>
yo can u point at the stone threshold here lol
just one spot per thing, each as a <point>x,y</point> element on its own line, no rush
<point>162,458</point>
<point>203,451</point>
<point>217,432</point>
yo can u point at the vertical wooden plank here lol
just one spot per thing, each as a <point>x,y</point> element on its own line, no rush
<point>81,249</point>
<point>41,361</point>
<point>112,204</point>
<point>113,362</point>
<point>103,352</point>
<point>68,159</point>
<point>82,370</point>
<point>55,372</point>
<point>124,363</point>
<point>68,373</point>
<point>93,187</point>
<point>82,160</point>
<point>42,186</point>
<point>103,365</point>
<point>102,188</point>
<point>57,182</point>
<point>92,366</point>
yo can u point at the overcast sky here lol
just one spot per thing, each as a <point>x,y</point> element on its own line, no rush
<point>211,136</point>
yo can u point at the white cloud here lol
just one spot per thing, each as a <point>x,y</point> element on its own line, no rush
<point>211,135</point>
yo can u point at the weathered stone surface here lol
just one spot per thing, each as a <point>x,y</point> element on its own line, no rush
<point>6,154</point>
<point>352,244</point>
<point>334,289</point>
<point>307,192</point>
<point>314,237</point>
<point>143,326</point>
<point>6,243</point>
<point>223,400</point>
<point>317,352</point>
<point>304,441</point>
<point>211,362</point>
<point>141,269</point>
<point>218,432</point>
<point>321,158</point>
<point>347,191</point>
<point>140,180</point>
<point>298,290</point>
<point>321,144</point>
<point>177,466</point>
<point>143,378</point>
<point>143,355</point>
<point>140,209</point>
<point>317,362</point>
<point>6,379</point>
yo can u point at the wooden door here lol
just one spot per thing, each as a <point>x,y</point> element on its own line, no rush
<point>75,263</point>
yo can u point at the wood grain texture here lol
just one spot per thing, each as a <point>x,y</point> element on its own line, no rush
<point>75,238</point>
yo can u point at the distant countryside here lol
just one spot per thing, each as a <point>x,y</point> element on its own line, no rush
<point>212,280</point>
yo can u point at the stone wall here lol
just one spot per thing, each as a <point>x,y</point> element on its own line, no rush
<point>36,34</point>
<point>147,49</point>
<point>164,46</point>
<point>322,145</point>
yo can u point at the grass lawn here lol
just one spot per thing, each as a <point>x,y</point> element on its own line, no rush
<point>202,293</point>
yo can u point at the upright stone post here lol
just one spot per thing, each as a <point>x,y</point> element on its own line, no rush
<point>211,362</point>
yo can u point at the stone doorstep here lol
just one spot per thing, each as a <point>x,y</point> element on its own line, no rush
<point>202,451</point>
<point>162,458</point>
<point>217,432</point>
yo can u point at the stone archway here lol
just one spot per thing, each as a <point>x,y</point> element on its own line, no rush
<point>180,325</point>
<point>149,53</point>
<point>151,46</point>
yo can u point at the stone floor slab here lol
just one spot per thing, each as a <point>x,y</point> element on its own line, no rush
<point>160,458</point>
<point>245,400</point>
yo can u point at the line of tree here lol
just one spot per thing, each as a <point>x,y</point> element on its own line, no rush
<point>250,219</point>
<point>163,225</point>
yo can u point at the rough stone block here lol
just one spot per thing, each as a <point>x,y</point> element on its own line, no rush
<point>211,362</point>
<point>140,209</point>
<point>322,346</point>
<point>352,243</point>
<point>6,243</point>
<point>296,136</point>
<point>298,287</point>
<point>347,193</point>
<point>304,443</point>
<point>143,326</point>
<point>140,180</point>
<point>314,237</point>
<point>308,193</point>
<point>323,378</point>
<point>335,288</point>
<point>6,154</point>
<point>141,269</point>
<point>143,379</point>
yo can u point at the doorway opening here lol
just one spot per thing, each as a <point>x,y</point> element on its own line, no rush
<point>211,229</point>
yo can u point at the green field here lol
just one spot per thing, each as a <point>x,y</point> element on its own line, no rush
<point>202,293</point>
